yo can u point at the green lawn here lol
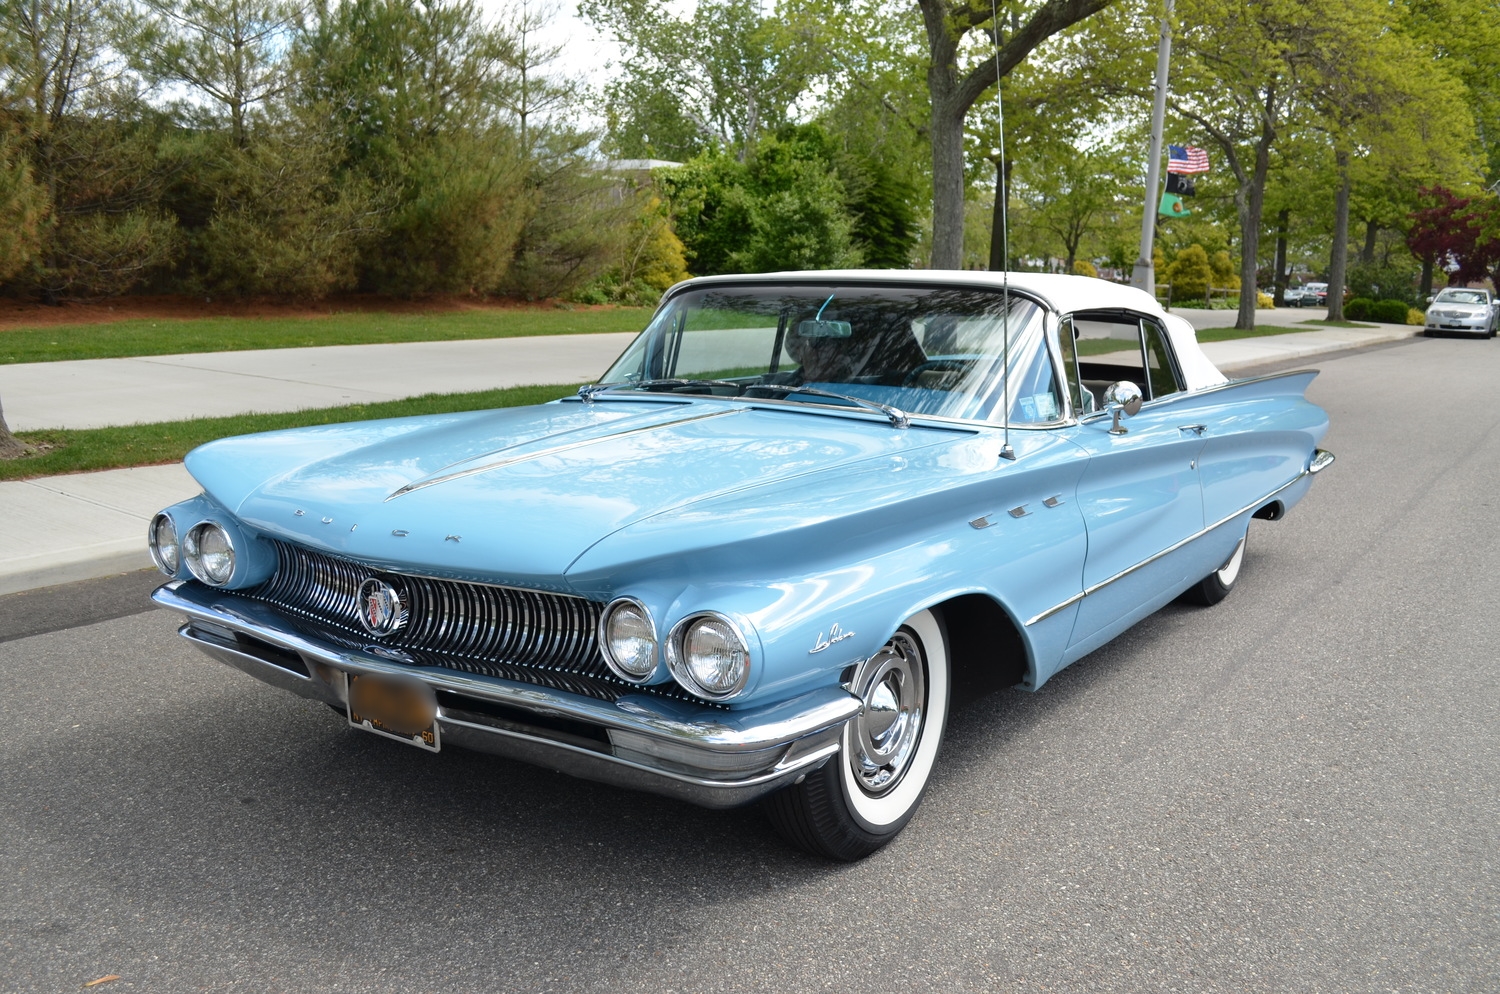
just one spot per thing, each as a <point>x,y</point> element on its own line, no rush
<point>164,336</point>
<point>147,445</point>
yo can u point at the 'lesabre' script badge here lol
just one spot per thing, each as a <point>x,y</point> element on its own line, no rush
<point>380,609</point>
<point>834,635</point>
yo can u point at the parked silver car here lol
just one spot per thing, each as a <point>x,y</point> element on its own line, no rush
<point>1463,310</point>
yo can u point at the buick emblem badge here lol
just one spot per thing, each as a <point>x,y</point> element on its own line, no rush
<point>380,609</point>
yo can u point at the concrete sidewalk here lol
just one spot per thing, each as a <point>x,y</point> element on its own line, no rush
<point>64,528</point>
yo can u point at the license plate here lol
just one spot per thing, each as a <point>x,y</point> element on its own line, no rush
<point>404,710</point>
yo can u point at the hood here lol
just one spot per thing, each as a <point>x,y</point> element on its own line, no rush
<point>517,495</point>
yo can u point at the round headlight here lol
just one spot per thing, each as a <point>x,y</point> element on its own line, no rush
<point>209,553</point>
<point>628,639</point>
<point>709,657</point>
<point>162,538</point>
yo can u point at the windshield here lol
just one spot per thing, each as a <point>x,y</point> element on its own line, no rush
<point>1462,297</point>
<point>924,350</point>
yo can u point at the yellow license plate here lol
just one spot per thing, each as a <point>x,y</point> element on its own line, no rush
<point>404,710</point>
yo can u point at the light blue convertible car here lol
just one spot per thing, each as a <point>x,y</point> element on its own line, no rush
<point>747,564</point>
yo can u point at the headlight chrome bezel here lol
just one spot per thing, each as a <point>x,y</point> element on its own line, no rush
<point>615,666</point>
<point>192,552</point>
<point>682,670</point>
<point>168,562</point>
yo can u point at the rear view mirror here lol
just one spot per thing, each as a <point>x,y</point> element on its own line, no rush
<point>824,329</point>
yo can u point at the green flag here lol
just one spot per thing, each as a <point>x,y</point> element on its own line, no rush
<point>1172,206</point>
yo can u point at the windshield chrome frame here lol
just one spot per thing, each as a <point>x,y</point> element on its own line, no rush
<point>1049,316</point>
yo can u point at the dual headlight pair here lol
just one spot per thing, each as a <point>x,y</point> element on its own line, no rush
<point>706,653</point>
<point>206,549</point>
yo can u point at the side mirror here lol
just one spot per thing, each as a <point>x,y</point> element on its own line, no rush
<point>1124,398</point>
<point>1429,298</point>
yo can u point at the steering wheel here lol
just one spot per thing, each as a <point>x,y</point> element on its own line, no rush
<point>946,365</point>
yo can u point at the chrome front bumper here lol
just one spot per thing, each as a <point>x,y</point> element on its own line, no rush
<point>706,756</point>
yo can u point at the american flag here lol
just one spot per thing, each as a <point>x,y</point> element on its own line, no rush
<point>1186,159</point>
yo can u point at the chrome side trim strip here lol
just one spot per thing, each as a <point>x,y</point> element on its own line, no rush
<point>1167,551</point>
<point>552,450</point>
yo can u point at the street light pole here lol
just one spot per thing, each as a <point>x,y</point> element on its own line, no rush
<point>1144,275</point>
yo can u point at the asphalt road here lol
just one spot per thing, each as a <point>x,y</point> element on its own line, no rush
<point>1295,790</point>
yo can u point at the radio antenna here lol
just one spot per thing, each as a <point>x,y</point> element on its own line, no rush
<point>1001,191</point>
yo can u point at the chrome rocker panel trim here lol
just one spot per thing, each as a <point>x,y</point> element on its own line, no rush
<point>1321,460</point>
<point>707,756</point>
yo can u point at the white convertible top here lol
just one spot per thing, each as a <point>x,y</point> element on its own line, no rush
<point>1064,294</point>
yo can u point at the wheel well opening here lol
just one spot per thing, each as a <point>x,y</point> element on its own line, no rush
<point>985,649</point>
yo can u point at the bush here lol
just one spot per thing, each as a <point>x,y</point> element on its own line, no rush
<point>1396,280</point>
<point>1264,300</point>
<point>1189,274</point>
<point>1416,317</point>
<point>1389,311</point>
<point>1082,267</point>
<point>1358,309</point>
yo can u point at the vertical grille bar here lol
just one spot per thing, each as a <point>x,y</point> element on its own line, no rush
<point>479,623</point>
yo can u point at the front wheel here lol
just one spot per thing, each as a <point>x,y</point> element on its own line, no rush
<point>863,796</point>
<point>1216,586</point>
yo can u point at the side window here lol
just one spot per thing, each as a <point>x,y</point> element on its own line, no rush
<point>1112,347</point>
<point>1034,394</point>
<point>1067,337</point>
<point>1161,371</point>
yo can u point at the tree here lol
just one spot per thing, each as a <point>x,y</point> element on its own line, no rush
<point>1461,231</point>
<point>233,52</point>
<point>1070,197</point>
<point>90,147</point>
<point>783,208</point>
<point>958,75</point>
<point>416,94</point>
<point>718,79</point>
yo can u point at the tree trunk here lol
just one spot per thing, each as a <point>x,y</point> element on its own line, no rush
<point>10,447</point>
<point>1339,258</point>
<point>1371,229</point>
<point>1279,292</point>
<point>1427,265</point>
<point>1252,203</point>
<point>947,183</point>
<point>998,239</point>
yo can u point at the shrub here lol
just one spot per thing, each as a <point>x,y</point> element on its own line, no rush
<point>1389,311</point>
<point>1082,267</point>
<point>1396,280</point>
<point>1264,300</point>
<point>1358,309</point>
<point>1416,317</point>
<point>1189,274</point>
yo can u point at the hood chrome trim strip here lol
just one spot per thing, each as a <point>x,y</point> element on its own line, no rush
<point>552,450</point>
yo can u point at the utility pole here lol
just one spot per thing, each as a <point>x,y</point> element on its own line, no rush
<point>1144,275</point>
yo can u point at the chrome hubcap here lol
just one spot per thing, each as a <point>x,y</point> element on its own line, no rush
<point>884,735</point>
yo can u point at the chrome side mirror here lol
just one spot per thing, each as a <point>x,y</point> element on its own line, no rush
<point>1125,398</point>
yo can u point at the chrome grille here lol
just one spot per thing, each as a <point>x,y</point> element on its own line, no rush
<point>485,629</point>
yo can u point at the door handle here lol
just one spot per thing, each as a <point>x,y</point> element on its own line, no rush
<point>1195,429</point>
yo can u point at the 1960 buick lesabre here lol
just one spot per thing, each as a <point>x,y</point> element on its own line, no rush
<point>747,563</point>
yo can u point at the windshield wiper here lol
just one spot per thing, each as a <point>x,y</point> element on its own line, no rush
<point>898,417</point>
<point>588,392</point>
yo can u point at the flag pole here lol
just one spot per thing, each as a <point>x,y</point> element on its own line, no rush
<point>1144,275</point>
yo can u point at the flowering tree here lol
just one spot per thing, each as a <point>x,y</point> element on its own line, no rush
<point>1460,231</point>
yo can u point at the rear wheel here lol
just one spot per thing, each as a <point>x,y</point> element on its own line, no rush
<point>1216,586</point>
<point>861,798</point>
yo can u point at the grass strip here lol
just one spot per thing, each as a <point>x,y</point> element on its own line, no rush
<point>64,451</point>
<point>1325,323</point>
<point>168,336</point>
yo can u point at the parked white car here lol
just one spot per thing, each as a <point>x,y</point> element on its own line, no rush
<point>1463,310</point>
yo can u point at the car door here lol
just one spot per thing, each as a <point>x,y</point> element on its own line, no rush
<point>1141,496</point>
